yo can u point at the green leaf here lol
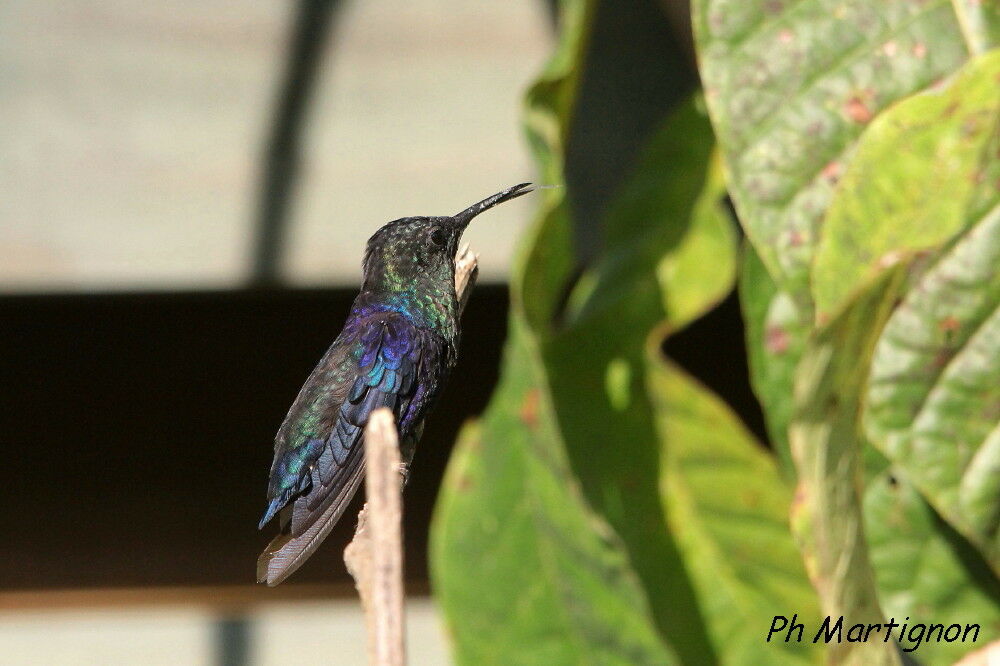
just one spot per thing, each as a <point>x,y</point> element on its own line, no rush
<point>922,172</point>
<point>776,333</point>
<point>924,570</point>
<point>933,404</point>
<point>595,371</point>
<point>524,571</point>
<point>700,270</point>
<point>791,86</point>
<point>728,508</point>
<point>546,260</point>
<point>826,445</point>
<point>649,233</point>
<point>595,363</point>
<point>470,581</point>
<point>551,527</point>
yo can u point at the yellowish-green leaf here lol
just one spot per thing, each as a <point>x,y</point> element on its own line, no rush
<point>791,86</point>
<point>525,572</point>
<point>980,21</point>
<point>728,508</point>
<point>933,403</point>
<point>520,554</point>
<point>923,171</point>
<point>546,258</point>
<point>595,363</point>
<point>700,271</point>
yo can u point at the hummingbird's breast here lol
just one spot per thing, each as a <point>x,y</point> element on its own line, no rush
<point>435,310</point>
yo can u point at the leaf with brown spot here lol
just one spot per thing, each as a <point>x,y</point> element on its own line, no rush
<point>910,186</point>
<point>782,114</point>
<point>529,408</point>
<point>857,110</point>
<point>935,384</point>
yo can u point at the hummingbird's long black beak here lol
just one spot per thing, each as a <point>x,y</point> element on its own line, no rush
<point>463,218</point>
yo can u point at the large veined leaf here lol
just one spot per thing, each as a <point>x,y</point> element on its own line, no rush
<point>933,405</point>
<point>791,86</point>
<point>925,571</point>
<point>925,170</point>
<point>709,574</point>
<point>525,572</point>
<point>803,97</point>
<point>922,567</point>
<point>595,362</point>
<point>570,496</point>
<point>728,508</point>
<point>521,556</point>
<point>488,543</point>
<point>827,449</point>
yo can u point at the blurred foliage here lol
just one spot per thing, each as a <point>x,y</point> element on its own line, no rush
<point>609,508</point>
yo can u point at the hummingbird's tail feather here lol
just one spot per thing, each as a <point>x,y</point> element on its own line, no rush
<point>288,552</point>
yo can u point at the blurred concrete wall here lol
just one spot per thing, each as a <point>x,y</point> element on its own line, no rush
<point>131,135</point>
<point>312,632</point>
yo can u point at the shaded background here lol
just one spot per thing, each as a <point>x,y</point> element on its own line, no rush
<point>187,188</point>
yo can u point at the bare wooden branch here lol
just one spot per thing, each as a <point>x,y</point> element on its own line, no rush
<point>374,557</point>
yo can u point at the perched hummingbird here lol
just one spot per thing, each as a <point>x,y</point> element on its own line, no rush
<point>397,347</point>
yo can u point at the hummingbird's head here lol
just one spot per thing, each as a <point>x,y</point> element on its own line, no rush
<point>418,253</point>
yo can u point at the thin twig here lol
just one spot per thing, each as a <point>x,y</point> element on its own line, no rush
<point>374,557</point>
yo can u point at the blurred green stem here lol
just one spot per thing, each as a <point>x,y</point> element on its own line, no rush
<point>826,448</point>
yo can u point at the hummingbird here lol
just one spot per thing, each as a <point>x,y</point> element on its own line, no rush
<point>396,349</point>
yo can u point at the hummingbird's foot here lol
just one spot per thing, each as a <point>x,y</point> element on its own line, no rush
<point>404,472</point>
<point>465,260</point>
<point>466,272</point>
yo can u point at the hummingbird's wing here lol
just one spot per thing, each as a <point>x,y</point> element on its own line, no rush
<point>374,363</point>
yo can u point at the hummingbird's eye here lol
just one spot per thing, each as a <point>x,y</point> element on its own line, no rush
<point>438,236</point>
